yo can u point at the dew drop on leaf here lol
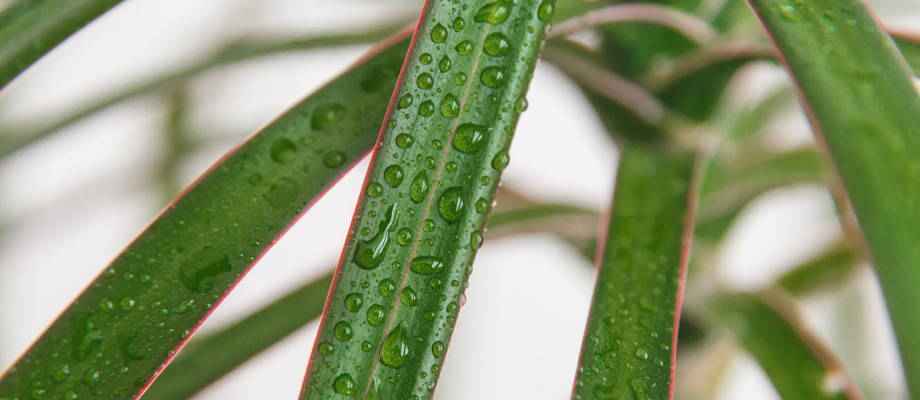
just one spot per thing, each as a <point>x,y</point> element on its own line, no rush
<point>326,116</point>
<point>437,349</point>
<point>353,302</point>
<point>439,34</point>
<point>404,141</point>
<point>419,187</point>
<point>493,77</point>
<point>395,350</point>
<point>283,151</point>
<point>494,13</point>
<point>334,159</point>
<point>469,138</point>
<point>496,44</point>
<point>459,24</point>
<point>500,161</point>
<point>345,385</point>
<point>546,9</point>
<point>426,109</point>
<point>408,297</point>
<point>427,265</point>
<point>444,64</point>
<point>451,204</point>
<point>424,80</point>
<point>369,253</point>
<point>450,106</point>
<point>343,331</point>
<point>375,315</point>
<point>464,47</point>
<point>393,175</point>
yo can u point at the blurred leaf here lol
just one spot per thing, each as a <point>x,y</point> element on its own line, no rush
<point>176,142</point>
<point>210,357</point>
<point>111,342</point>
<point>629,349</point>
<point>31,28</point>
<point>826,270</point>
<point>751,121</point>
<point>864,107</point>
<point>426,196</point>
<point>731,186</point>
<point>234,52</point>
<point>798,365</point>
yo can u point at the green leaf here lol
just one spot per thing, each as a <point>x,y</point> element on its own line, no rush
<point>630,343</point>
<point>31,28</point>
<point>208,358</point>
<point>826,270</point>
<point>428,191</point>
<point>15,138</point>
<point>798,365</point>
<point>864,107</point>
<point>121,330</point>
<point>909,44</point>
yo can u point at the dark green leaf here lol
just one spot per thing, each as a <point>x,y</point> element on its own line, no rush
<point>630,343</point>
<point>31,28</point>
<point>864,107</point>
<point>111,341</point>
<point>414,238</point>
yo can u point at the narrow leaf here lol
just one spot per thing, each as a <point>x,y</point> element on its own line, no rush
<point>629,350</point>
<point>419,223</point>
<point>863,105</point>
<point>208,358</point>
<point>909,44</point>
<point>118,334</point>
<point>826,270</point>
<point>799,366</point>
<point>31,28</point>
<point>15,138</point>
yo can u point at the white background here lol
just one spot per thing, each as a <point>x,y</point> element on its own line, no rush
<point>73,202</point>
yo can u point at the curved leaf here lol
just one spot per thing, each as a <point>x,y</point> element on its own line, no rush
<point>117,335</point>
<point>863,105</point>
<point>15,138</point>
<point>31,28</point>
<point>419,223</point>
<point>630,344</point>
<point>798,365</point>
<point>208,358</point>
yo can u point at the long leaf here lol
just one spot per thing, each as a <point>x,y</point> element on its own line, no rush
<point>31,28</point>
<point>208,358</point>
<point>799,366</point>
<point>419,223</point>
<point>118,334</point>
<point>630,344</point>
<point>15,138</point>
<point>863,105</point>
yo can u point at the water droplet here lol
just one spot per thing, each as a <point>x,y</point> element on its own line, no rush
<point>424,80</point>
<point>326,348</point>
<point>459,24</point>
<point>333,159</point>
<point>469,138</point>
<point>451,204</point>
<point>425,58</point>
<point>404,236</point>
<point>500,161</point>
<point>493,77</point>
<point>546,9</point>
<point>369,253</point>
<point>133,348</point>
<point>426,109</point>
<point>521,105</point>
<point>419,187</point>
<point>395,350</point>
<point>375,315</point>
<point>437,349</point>
<point>464,47</point>
<point>198,275</point>
<point>326,116</point>
<point>343,331</point>
<point>428,225</point>
<point>482,206</point>
<point>374,189</point>
<point>641,354</point>
<point>427,265</point>
<point>450,106</point>
<point>408,297</point>
<point>475,240</point>
<point>439,34</point>
<point>460,78</point>
<point>393,175</point>
<point>283,151</point>
<point>404,141</point>
<point>345,385</point>
<point>87,337</point>
<point>494,13</point>
<point>61,373</point>
<point>367,346</point>
<point>386,287</point>
<point>444,64</point>
<point>353,302</point>
<point>496,44</point>
<point>405,101</point>
<point>127,304</point>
